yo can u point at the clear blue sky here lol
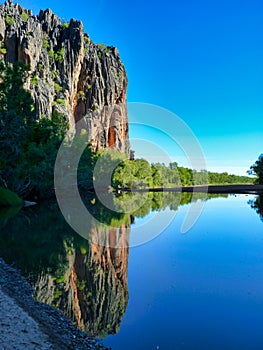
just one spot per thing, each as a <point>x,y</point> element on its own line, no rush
<point>202,60</point>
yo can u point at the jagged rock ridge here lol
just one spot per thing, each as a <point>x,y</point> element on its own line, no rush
<point>68,73</point>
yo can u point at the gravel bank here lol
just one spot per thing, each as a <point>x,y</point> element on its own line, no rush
<point>28,324</point>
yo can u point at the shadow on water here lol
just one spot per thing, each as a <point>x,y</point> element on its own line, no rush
<point>87,281</point>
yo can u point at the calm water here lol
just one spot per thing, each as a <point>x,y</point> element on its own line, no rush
<point>200,290</point>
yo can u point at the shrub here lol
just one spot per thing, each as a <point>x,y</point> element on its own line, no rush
<point>57,87</point>
<point>40,67</point>
<point>54,75</point>
<point>81,95</point>
<point>59,101</point>
<point>51,54</point>
<point>86,39</point>
<point>45,44</point>
<point>24,16</point>
<point>9,21</point>
<point>34,80</point>
<point>65,25</point>
<point>2,48</point>
<point>102,46</point>
<point>59,55</point>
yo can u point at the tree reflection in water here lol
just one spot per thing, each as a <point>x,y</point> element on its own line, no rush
<point>84,279</point>
<point>257,204</point>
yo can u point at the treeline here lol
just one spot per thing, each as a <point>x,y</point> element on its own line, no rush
<point>139,173</point>
<point>225,178</point>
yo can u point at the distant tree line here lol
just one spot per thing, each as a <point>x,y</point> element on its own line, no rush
<point>139,173</point>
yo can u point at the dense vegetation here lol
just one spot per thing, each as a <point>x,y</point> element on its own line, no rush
<point>139,173</point>
<point>28,146</point>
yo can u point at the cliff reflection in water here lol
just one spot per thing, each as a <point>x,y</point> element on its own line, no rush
<point>87,281</point>
<point>92,288</point>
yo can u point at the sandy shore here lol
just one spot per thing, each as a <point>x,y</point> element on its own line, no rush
<point>28,324</point>
<point>18,329</point>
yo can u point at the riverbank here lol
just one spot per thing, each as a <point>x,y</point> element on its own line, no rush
<point>28,324</point>
<point>215,189</point>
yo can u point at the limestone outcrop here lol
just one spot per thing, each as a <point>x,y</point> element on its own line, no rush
<point>68,73</point>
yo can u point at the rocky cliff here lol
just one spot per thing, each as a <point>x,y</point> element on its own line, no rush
<point>68,73</point>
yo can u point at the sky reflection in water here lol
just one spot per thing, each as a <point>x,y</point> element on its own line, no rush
<point>202,290</point>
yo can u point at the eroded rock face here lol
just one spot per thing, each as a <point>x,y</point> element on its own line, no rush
<point>68,73</point>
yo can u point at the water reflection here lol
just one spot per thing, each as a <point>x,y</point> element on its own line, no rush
<point>257,204</point>
<point>86,280</point>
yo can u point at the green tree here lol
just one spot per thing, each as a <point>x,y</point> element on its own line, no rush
<point>142,173</point>
<point>156,176</point>
<point>186,176</point>
<point>200,177</point>
<point>257,169</point>
<point>106,161</point>
<point>123,175</point>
